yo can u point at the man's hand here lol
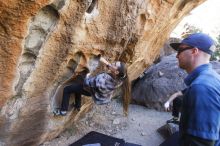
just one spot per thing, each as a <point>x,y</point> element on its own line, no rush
<point>167,106</point>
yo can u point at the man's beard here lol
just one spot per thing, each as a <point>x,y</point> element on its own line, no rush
<point>182,66</point>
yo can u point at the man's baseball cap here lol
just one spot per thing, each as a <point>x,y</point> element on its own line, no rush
<point>199,40</point>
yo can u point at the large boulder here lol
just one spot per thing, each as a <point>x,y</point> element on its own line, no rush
<point>158,82</point>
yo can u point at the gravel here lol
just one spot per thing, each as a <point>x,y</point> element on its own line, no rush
<point>139,127</point>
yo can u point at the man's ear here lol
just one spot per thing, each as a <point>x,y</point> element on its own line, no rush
<point>116,72</point>
<point>195,50</point>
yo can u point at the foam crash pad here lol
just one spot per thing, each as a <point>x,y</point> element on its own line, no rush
<point>96,138</point>
<point>131,144</point>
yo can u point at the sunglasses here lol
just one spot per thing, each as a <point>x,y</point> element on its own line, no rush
<point>180,50</point>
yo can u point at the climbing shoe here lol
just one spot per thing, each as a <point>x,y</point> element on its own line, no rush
<point>58,112</point>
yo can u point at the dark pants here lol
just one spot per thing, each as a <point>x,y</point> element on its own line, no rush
<point>177,104</point>
<point>77,89</point>
<point>187,140</point>
<point>190,140</point>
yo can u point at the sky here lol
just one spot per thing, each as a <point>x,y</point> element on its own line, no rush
<point>206,17</point>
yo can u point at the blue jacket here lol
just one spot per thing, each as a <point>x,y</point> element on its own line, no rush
<point>200,115</point>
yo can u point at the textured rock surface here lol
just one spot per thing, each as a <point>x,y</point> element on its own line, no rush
<point>43,42</point>
<point>158,83</point>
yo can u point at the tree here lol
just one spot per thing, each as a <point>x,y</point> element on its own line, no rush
<point>216,55</point>
<point>190,29</point>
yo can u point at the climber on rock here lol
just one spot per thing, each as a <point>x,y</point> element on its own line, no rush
<point>101,87</point>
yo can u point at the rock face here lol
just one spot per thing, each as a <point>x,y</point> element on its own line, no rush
<point>43,42</point>
<point>158,83</point>
<point>153,88</point>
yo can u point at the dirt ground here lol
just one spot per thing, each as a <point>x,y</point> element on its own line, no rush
<point>139,127</point>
